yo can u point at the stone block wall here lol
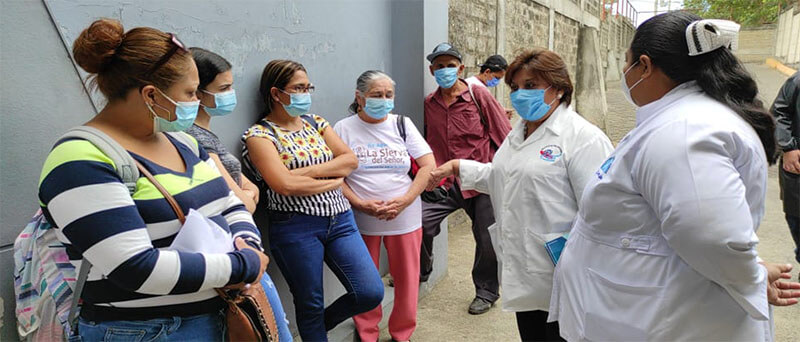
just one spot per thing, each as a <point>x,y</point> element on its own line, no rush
<point>527,27</point>
<point>526,24</point>
<point>595,7</point>
<point>473,31</point>
<point>566,42</point>
<point>756,44</point>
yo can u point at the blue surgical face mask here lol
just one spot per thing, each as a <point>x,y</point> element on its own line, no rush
<point>446,77</point>
<point>378,108</point>
<point>185,113</point>
<point>493,82</point>
<point>224,103</point>
<point>300,103</point>
<point>529,103</point>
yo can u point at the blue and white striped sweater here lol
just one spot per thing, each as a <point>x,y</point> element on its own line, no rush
<point>123,236</point>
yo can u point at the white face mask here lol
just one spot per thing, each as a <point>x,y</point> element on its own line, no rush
<point>624,85</point>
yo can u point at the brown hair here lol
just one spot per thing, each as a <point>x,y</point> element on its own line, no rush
<point>276,74</point>
<point>546,65</point>
<point>119,61</point>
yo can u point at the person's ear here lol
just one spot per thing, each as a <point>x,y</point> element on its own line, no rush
<point>647,66</point>
<point>360,99</point>
<point>430,67</point>
<point>276,95</point>
<point>148,94</point>
<point>460,69</point>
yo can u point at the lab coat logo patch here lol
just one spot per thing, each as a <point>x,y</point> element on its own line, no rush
<point>550,153</point>
<point>604,168</point>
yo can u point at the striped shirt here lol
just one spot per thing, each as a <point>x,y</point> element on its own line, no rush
<point>298,149</point>
<point>133,276</point>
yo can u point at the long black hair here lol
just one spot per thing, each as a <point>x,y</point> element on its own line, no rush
<point>718,73</point>
<point>209,65</point>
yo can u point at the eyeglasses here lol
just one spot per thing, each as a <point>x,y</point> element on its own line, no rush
<point>176,45</point>
<point>301,89</point>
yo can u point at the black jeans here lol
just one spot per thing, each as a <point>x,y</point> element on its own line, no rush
<point>479,209</point>
<point>794,228</point>
<point>533,326</point>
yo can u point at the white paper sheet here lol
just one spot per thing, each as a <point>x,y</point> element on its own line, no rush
<point>201,235</point>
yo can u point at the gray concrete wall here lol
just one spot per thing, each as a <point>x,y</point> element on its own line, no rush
<point>41,93</point>
<point>787,45</point>
<point>756,44</point>
<point>590,88</point>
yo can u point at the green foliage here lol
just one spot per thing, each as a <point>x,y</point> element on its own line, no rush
<point>745,12</point>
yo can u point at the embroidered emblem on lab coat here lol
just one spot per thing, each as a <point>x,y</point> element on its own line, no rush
<point>550,153</point>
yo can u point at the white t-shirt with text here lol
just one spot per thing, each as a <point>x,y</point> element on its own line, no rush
<point>382,173</point>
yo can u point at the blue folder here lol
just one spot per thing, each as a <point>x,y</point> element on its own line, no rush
<point>554,248</point>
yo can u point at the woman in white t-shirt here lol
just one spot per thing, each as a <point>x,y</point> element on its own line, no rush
<point>386,200</point>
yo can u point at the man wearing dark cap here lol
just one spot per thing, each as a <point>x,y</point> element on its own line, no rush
<point>492,71</point>
<point>462,123</point>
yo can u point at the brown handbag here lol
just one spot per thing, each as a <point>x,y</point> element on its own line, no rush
<point>249,316</point>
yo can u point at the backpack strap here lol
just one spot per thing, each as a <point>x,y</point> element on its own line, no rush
<point>72,317</point>
<point>187,140</point>
<point>127,170</point>
<point>124,163</point>
<point>401,126</point>
<point>484,122</point>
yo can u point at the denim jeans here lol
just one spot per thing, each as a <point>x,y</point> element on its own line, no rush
<point>208,327</point>
<point>794,229</point>
<point>300,244</point>
<point>284,335</point>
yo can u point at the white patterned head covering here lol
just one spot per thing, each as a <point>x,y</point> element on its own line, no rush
<point>703,36</point>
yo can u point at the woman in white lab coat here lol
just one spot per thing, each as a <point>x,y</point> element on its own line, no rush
<point>664,245</point>
<point>535,181</point>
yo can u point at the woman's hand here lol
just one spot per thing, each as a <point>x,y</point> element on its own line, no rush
<point>251,189</point>
<point>396,206</point>
<point>781,293</point>
<point>241,245</point>
<point>371,207</point>
<point>447,169</point>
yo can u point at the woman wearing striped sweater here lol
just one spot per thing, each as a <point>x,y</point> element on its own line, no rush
<point>137,288</point>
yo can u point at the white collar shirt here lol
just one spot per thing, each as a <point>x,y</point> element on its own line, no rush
<point>534,185</point>
<point>663,248</point>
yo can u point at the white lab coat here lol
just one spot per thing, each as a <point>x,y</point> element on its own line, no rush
<point>535,184</point>
<point>664,245</point>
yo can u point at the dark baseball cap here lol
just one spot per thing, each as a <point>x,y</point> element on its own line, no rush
<point>495,62</point>
<point>444,49</point>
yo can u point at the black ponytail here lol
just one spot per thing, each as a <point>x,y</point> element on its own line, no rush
<point>718,73</point>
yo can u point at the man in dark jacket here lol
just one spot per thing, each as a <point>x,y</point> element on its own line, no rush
<point>786,110</point>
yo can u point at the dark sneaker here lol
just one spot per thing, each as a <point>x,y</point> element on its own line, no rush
<point>479,306</point>
<point>391,281</point>
<point>424,277</point>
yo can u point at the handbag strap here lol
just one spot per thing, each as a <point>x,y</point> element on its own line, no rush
<point>171,200</point>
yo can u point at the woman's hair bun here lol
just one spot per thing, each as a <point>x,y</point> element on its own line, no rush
<point>95,47</point>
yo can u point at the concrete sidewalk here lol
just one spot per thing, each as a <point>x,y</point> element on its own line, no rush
<point>443,313</point>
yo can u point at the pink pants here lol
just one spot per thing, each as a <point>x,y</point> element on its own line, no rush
<point>403,251</point>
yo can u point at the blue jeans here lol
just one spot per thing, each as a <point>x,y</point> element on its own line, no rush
<point>208,327</point>
<point>300,244</point>
<point>284,335</point>
<point>794,229</point>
